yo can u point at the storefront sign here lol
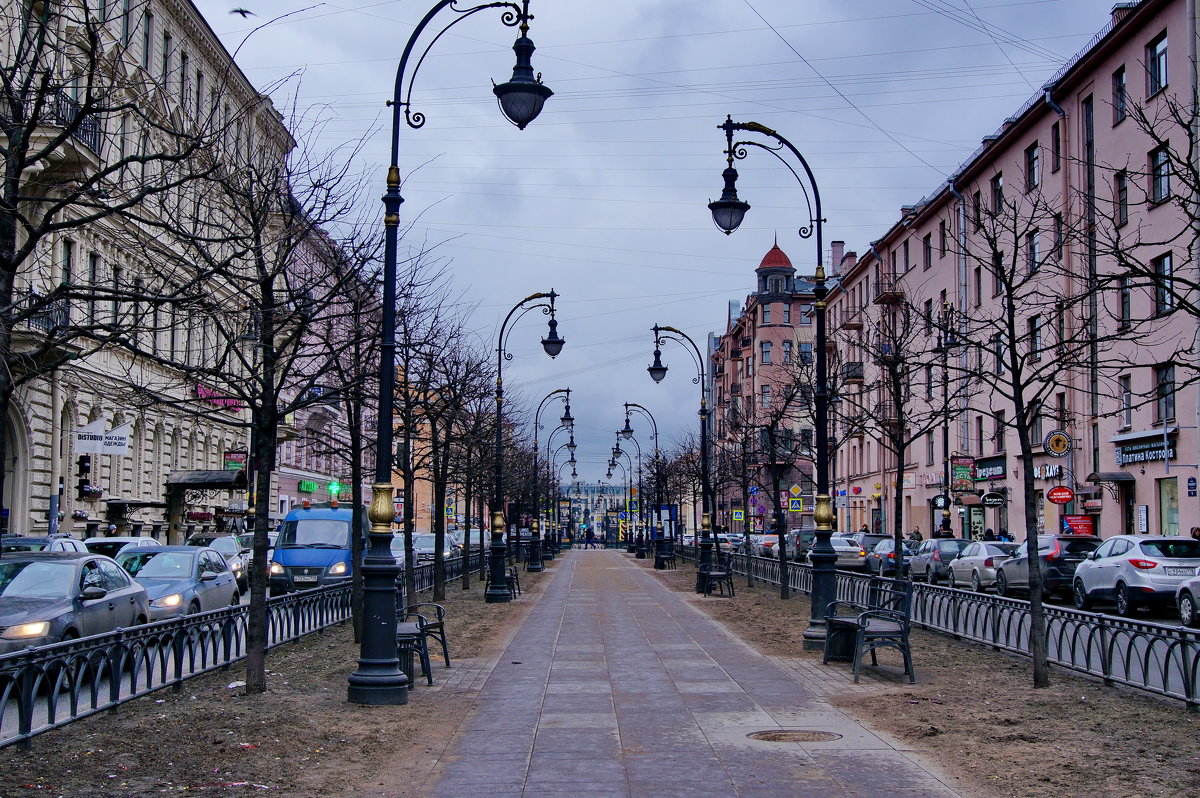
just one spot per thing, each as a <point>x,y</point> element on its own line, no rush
<point>1047,471</point>
<point>214,397</point>
<point>992,499</point>
<point>1146,451</point>
<point>230,512</point>
<point>1079,525</point>
<point>306,486</point>
<point>199,515</point>
<point>1191,486</point>
<point>235,459</point>
<point>92,439</point>
<point>962,473</point>
<point>1143,518</point>
<point>989,469</point>
<point>1061,494</point>
<point>1057,443</point>
<point>1093,504</point>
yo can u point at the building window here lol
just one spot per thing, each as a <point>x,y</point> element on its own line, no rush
<point>1121,195</point>
<point>1032,169</point>
<point>1035,337</point>
<point>1156,65</point>
<point>998,435</point>
<point>997,271</point>
<point>1164,293</point>
<point>998,193</point>
<point>1058,236</point>
<point>1118,95</point>
<point>766,353</point>
<point>125,22</point>
<point>927,251</point>
<point>787,312</point>
<point>1036,423</point>
<point>1126,301</point>
<point>928,316</point>
<point>766,313</point>
<point>977,209</point>
<point>942,238</point>
<point>766,396</point>
<point>1160,175</point>
<point>998,349</point>
<point>787,353</point>
<point>68,262</point>
<point>806,352</point>
<point>166,56</point>
<point>185,86</point>
<point>1032,255</point>
<point>929,382</point>
<point>806,314</point>
<point>93,284</point>
<point>928,448</point>
<point>1126,383</point>
<point>978,286</point>
<point>147,37</point>
<point>1055,147</point>
<point>904,248</point>
<point>1164,394</point>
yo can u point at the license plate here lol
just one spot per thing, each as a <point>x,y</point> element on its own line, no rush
<point>305,578</point>
<point>1180,571</point>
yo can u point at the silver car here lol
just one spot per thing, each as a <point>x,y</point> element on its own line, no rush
<point>850,555</point>
<point>1187,601</point>
<point>976,564</point>
<point>1132,570</point>
<point>110,546</point>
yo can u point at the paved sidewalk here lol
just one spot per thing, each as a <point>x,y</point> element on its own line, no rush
<point>616,686</point>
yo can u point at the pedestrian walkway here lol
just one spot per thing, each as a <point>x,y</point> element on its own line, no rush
<point>617,686</point>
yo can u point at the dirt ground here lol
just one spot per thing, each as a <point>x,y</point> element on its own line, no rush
<point>300,739</point>
<point>973,711</point>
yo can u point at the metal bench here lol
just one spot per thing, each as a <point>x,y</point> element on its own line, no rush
<point>854,628</point>
<point>715,576</point>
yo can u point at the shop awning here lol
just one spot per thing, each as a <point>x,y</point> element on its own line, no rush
<point>229,480</point>
<point>1110,476</point>
<point>134,504</point>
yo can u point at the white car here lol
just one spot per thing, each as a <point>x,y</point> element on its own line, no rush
<point>1187,600</point>
<point>1133,570</point>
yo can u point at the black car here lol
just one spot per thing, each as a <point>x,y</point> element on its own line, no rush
<point>1058,556</point>
<point>48,597</point>
<point>881,560</point>
<point>60,542</point>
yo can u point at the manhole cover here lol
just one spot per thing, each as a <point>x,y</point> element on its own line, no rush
<point>794,736</point>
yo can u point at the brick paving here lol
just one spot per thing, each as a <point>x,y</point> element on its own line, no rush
<point>614,685</point>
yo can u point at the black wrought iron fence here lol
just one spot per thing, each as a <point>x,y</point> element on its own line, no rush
<point>45,687</point>
<point>1158,658</point>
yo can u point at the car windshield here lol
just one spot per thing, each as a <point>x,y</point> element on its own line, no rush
<point>108,548</point>
<point>226,544</point>
<point>159,564</point>
<point>319,533</point>
<point>869,541</point>
<point>1180,549</point>
<point>1001,548</point>
<point>953,545</point>
<point>424,541</point>
<point>1069,546</point>
<point>36,579</point>
<point>17,544</point>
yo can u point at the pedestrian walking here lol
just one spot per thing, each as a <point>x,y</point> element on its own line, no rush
<point>1196,533</point>
<point>865,530</point>
<point>1004,536</point>
<point>915,535</point>
<point>590,541</point>
<point>988,534</point>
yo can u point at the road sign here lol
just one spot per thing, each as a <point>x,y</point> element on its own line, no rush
<point>1060,494</point>
<point>795,505</point>
<point>738,515</point>
<point>795,491</point>
<point>622,516</point>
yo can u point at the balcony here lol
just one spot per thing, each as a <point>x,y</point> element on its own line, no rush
<point>853,373</point>
<point>41,326</point>
<point>735,354</point>
<point>888,290</point>
<point>850,319</point>
<point>887,354</point>
<point>735,389</point>
<point>82,147</point>
<point>885,414</point>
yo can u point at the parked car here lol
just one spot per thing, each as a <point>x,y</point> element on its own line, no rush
<point>181,580</point>
<point>109,547</point>
<point>425,546</point>
<point>1135,570</point>
<point>1187,601</point>
<point>932,561</point>
<point>881,560</point>
<point>850,555</point>
<point>47,597</point>
<point>765,545</point>
<point>237,550</point>
<point>1059,555</point>
<point>976,564</point>
<point>735,540</point>
<point>800,541</point>
<point>15,543</point>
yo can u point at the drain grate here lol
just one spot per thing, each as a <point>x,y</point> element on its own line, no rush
<point>794,736</point>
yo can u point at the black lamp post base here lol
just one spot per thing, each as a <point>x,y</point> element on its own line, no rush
<point>814,636</point>
<point>497,590</point>
<point>382,689</point>
<point>533,559</point>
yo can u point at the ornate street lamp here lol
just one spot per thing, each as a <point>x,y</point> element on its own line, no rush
<point>497,590</point>
<point>946,342</point>
<point>727,214</point>
<point>657,371</point>
<point>378,679</point>
<point>656,467</point>
<point>534,561</point>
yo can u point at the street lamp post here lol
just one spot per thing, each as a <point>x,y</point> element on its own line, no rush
<point>656,469</point>
<point>567,422</point>
<point>378,679</point>
<point>727,213</point>
<point>534,561</point>
<point>945,343</point>
<point>497,590</point>
<point>625,477</point>
<point>657,371</point>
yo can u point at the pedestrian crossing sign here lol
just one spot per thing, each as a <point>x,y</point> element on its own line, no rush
<point>738,515</point>
<point>795,505</point>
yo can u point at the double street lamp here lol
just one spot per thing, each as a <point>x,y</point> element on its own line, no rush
<point>658,370</point>
<point>656,469</point>
<point>566,423</point>
<point>728,213</point>
<point>534,561</point>
<point>497,590</point>
<point>378,679</point>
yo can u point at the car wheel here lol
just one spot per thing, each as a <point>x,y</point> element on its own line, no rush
<point>931,576</point>
<point>1001,584</point>
<point>194,607</point>
<point>70,634</point>
<point>976,585</point>
<point>235,599</point>
<point>1125,604</point>
<point>950,579</point>
<point>1188,615</point>
<point>1080,596</point>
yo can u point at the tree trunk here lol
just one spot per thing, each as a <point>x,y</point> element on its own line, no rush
<point>1037,613</point>
<point>785,588</point>
<point>438,456</point>
<point>466,567</point>
<point>256,623</point>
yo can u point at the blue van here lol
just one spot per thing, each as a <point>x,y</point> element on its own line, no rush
<point>313,549</point>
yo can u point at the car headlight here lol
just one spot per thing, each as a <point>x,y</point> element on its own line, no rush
<point>167,602</point>
<point>23,631</point>
<point>235,564</point>
<point>337,569</point>
<point>277,569</point>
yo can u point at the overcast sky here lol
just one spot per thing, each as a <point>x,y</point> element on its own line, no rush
<point>603,197</point>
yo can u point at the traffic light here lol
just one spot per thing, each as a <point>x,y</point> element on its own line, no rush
<point>84,489</point>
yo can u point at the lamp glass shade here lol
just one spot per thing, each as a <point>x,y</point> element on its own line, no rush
<point>567,419</point>
<point>657,369</point>
<point>728,214</point>
<point>552,343</point>
<point>628,430</point>
<point>571,447</point>
<point>521,98</point>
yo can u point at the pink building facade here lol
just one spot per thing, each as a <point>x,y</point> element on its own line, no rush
<point>1074,214</point>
